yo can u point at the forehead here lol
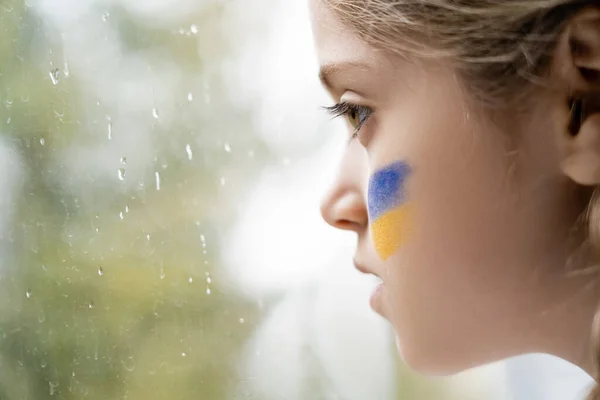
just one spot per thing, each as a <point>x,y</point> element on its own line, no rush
<point>335,43</point>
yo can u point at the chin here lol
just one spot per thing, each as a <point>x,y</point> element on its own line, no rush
<point>426,361</point>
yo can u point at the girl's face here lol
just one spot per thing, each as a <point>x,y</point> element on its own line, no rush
<point>464,216</point>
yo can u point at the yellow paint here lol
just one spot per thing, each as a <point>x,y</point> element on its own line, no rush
<point>390,230</point>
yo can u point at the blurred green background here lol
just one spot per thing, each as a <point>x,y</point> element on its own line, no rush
<point>106,288</point>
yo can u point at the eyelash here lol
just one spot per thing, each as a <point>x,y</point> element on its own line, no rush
<point>345,109</point>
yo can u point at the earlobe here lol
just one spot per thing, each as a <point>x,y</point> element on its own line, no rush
<point>577,65</point>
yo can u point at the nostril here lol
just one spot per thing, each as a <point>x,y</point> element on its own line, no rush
<point>345,224</point>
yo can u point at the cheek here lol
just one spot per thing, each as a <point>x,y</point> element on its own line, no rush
<point>389,209</point>
<point>464,273</point>
<point>443,289</point>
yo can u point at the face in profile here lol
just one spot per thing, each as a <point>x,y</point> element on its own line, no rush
<point>464,216</point>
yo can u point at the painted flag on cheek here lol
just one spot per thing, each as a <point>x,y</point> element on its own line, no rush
<point>389,210</point>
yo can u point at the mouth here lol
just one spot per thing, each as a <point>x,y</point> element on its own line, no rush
<point>375,299</point>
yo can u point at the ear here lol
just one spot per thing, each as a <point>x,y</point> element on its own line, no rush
<point>576,65</point>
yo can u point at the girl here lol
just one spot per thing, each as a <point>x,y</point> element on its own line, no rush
<point>471,171</point>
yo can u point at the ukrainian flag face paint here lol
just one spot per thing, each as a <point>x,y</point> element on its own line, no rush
<point>389,210</point>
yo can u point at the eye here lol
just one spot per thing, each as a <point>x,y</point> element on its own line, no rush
<point>357,115</point>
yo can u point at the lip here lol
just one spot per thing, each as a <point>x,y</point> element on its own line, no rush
<point>376,299</point>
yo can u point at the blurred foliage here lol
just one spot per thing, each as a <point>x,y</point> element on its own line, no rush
<point>107,287</point>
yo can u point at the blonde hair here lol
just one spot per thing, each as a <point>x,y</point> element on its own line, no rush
<point>498,47</point>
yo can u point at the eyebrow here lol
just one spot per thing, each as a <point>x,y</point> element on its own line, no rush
<point>327,71</point>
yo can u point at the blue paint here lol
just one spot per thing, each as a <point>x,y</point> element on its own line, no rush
<point>386,189</point>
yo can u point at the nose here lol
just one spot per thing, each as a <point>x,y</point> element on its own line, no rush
<point>344,207</point>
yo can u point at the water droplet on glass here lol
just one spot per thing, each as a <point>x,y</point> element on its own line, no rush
<point>66,70</point>
<point>227,147</point>
<point>148,237</point>
<point>126,209</point>
<point>188,150</point>
<point>41,317</point>
<point>128,364</point>
<point>181,31</point>
<point>55,76</point>
<point>190,96</point>
<point>191,280</point>
<point>100,271</point>
<point>121,215</point>
<point>208,280</point>
<point>222,181</point>
<point>91,305</point>
<point>183,354</point>
<point>8,120</point>
<point>44,364</point>
<point>194,29</point>
<point>208,291</point>
<point>97,230</point>
<point>121,174</point>
<point>105,16</point>
<point>53,387</point>
<point>109,130</point>
<point>124,160</point>
<point>157,176</point>
<point>242,321</point>
<point>155,113</point>
<point>28,294</point>
<point>162,273</point>
<point>42,141</point>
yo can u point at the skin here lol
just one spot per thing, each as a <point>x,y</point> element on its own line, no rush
<point>483,275</point>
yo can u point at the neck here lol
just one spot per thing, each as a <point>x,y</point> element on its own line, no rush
<point>566,328</point>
